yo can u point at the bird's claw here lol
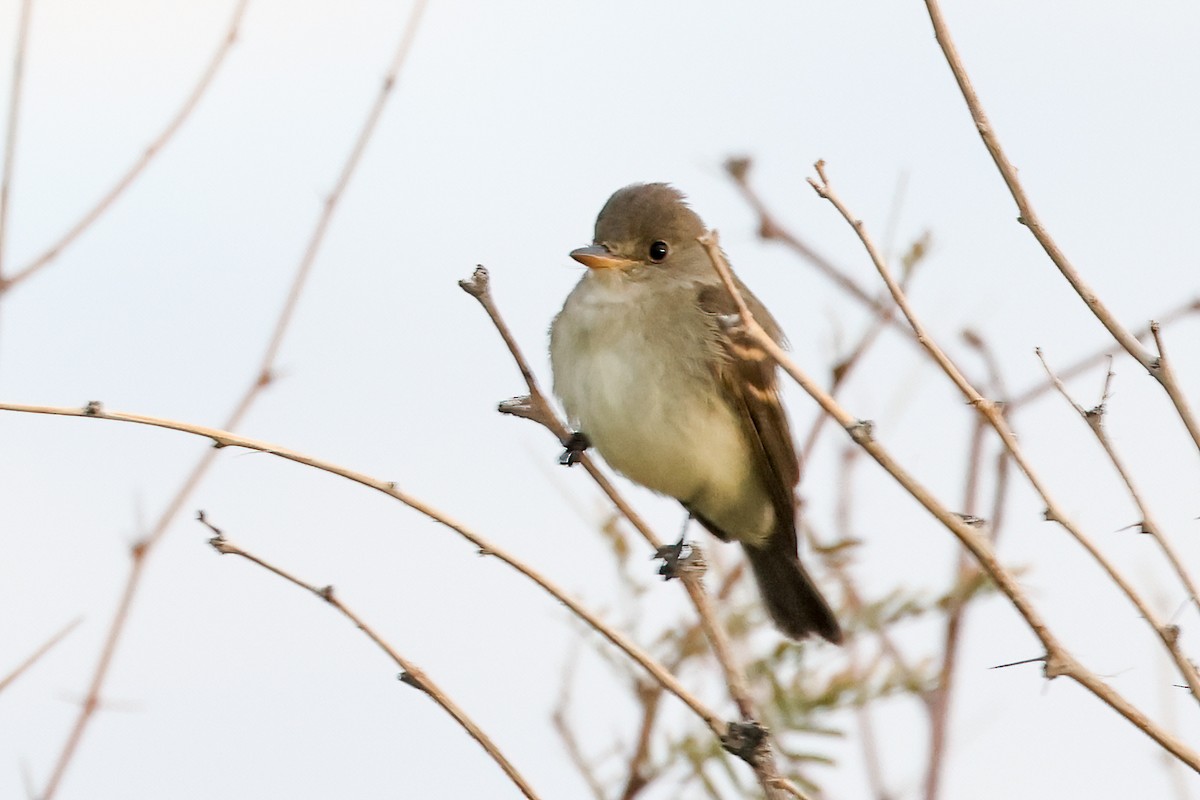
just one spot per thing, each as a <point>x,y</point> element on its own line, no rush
<point>574,448</point>
<point>679,558</point>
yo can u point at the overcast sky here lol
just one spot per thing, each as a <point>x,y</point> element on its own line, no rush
<point>511,125</point>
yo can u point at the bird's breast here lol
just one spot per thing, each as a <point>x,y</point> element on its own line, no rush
<point>635,374</point>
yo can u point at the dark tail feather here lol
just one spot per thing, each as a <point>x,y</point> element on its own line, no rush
<point>796,606</point>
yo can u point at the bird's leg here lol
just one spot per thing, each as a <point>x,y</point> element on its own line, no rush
<point>573,448</point>
<point>680,557</point>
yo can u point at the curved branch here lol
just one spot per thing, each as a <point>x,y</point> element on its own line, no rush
<point>412,674</point>
<point>223,438</point>
<point>153,149</point>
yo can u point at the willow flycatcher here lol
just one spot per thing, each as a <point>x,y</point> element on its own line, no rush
<point>675,401</point>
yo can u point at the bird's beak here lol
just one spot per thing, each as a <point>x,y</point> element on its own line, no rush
<point>597,256</point>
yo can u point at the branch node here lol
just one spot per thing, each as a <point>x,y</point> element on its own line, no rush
<point>94,408</point>
<point>1170,634</point>
<point>1056,666</point>
<point>326,593</point>
<point>412,680</point>
<point>862,431</point>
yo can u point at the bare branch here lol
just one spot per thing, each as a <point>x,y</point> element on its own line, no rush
<point>567,734</point>
<point>1094,417</point>
<point>36,655</point>
<point>1058,660</point>
<point>153,149</point>
<point>994,415</point>
<point>10,135</point>
<point>1156,366</point>
<point>260,381</point>
<point>412,674</point>
<point>1035,392</point>
<point>224,438</point>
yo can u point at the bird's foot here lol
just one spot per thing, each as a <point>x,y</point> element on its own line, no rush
<point>745,740</point>
<point>680,558</point>
<point>573,449</point>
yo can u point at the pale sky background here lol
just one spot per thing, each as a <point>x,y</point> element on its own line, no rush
<point>511,125</point>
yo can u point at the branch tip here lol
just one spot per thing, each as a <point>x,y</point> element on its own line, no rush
<point>478,284</point>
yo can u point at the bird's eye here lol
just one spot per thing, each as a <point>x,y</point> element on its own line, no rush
<point>658,251</point>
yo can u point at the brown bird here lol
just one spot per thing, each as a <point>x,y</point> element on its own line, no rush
<point>675,401</point>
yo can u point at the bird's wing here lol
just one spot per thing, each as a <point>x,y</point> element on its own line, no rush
<point>748,376</point>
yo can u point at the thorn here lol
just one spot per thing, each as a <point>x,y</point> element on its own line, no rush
<point>1039,659</point>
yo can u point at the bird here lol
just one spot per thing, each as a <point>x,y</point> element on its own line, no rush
<point>653,376</point>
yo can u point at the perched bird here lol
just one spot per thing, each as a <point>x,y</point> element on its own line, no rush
<point>675,401</point>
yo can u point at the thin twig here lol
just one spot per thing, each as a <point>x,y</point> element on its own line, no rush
<point>262,378</point>
<point>1026,397</point>
<point>940,697</point>
<point>10,135</point>
<point>225,438</point>
<point>412,674</point>
<point>640,774</point>
<point>770,230</point>
<point>993,413</point>
<point>1094,417</point>
<point>1156,366</point>
<point>106,201</point>
<point>36,655</point>
<point>1058,661</point>
<point>853,599</point>
<point>567,735</point>
<point>842,369</point>
<point>965,571</point>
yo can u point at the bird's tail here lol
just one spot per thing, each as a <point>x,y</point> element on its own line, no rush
<point>792,599</point>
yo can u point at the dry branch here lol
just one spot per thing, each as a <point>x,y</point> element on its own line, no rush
<point>36,655</point>
<point>262,378</point>
<point>1058,661</point>
<point>1157,366</point>
<point>411,674</point>
<point>106,201</point>
<point>993,413</point>
<point>224,438</point>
